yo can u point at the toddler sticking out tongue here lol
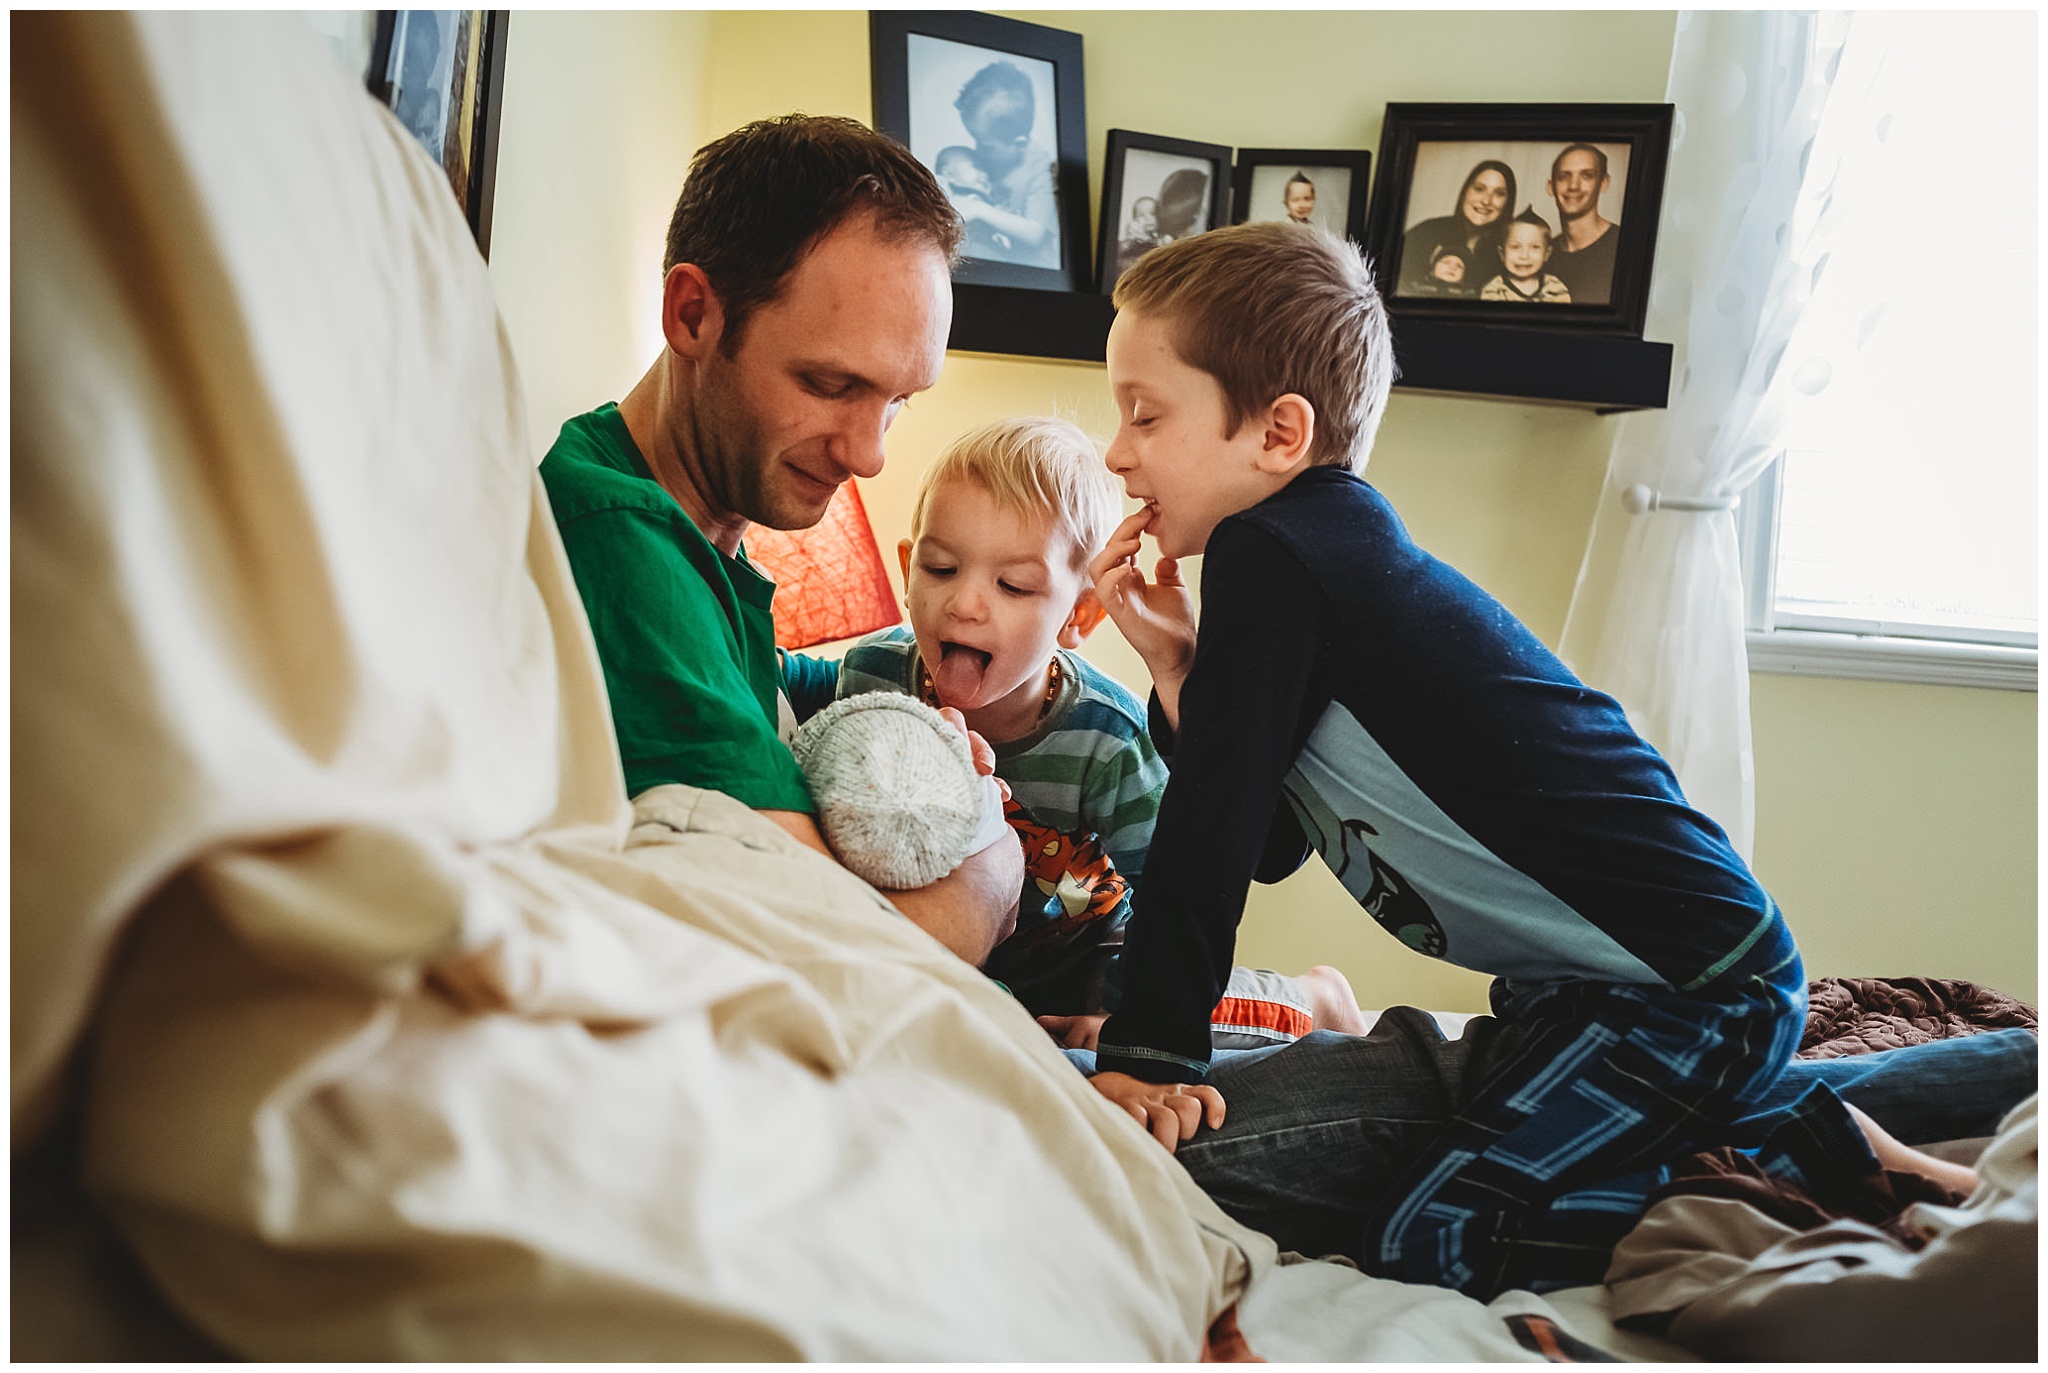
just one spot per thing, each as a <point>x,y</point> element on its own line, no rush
<point>960,673</point>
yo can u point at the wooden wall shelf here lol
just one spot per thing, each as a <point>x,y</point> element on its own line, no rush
<point>1601,372</point>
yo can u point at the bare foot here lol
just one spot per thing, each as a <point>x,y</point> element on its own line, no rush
<point>1332,1002</point>
<point>1904,1158</point>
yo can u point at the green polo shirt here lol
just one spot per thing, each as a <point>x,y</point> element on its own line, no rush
<point>684,633</point>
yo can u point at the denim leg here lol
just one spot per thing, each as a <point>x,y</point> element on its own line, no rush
<point>1315,1130</point>
<point>1948,1089</point>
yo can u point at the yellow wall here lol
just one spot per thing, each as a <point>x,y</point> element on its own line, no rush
<point>1896,824</point>
<point>602,112</point>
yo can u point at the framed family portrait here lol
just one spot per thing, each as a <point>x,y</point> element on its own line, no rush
<point>1540,215</point>
<point>1155,190</point>
<point>442,72</point>
<point>1326,187</point>
<point>993,107</point>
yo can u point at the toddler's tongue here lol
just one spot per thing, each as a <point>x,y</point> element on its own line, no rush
<point>960,672</point>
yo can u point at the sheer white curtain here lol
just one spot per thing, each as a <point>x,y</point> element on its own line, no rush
<point>1656,618</point>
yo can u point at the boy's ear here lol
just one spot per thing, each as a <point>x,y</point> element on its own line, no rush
<point>1088,613</point>
<point>1290,430</point>
<point>903,557</point>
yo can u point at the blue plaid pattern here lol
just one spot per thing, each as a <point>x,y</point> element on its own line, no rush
<point>1553,1157</point>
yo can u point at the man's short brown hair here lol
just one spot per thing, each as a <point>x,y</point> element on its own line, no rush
<point>1271,308</point>
<point>757,200</point>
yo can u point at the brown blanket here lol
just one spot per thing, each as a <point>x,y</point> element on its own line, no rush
<point>1855,1015</point>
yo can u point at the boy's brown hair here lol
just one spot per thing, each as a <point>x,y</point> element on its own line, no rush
<point>1271,308</point>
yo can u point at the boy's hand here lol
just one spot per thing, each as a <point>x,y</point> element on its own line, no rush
<point>1157,617</point>
<point>1073,1031</point>
<point>1172,1111</point>
<point>978,748</point>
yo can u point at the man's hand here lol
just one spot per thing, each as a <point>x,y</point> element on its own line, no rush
<point>1157,617</point>
<point>974,907</point>
<point>1073,1031</point>
<point>1170,1110</point>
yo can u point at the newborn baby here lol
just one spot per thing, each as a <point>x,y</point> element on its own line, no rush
<point>898,798</point>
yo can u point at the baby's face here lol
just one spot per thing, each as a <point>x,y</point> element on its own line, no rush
<point>1450,267</point>
<point>988,590</point>
<point>1525,250</point>
<point>964,174</point>
<point>1145,215</point>
<point>1301,200</point>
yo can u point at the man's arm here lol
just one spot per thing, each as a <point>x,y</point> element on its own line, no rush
<point>970,910</point>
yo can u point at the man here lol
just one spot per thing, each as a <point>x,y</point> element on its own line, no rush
<point>805,297</point>
<point>1584,259</point>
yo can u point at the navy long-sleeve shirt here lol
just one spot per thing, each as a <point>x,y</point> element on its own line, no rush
<point>1353,694</point>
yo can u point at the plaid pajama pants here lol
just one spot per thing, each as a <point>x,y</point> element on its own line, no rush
<point>1519,1153</point>
<point>1550,1160</point>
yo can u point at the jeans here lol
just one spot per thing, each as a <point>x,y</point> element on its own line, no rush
<point>1315,1130</point>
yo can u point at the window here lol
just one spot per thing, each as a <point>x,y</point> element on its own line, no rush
<point>1896,534</point>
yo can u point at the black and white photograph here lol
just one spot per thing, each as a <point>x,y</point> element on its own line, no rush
<point>1324,187</point>
<point>1534,213</point>
<point>983,121</point>
<point>442,74</point>
<point>982,102</point>
<point>1156,190</point>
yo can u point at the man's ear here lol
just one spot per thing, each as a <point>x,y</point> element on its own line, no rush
<point>1290,431</point>
<point>1088,613</point>
<point>903,558</point>
<point>691,317</point>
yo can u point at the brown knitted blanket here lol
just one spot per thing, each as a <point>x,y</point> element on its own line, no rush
<point>1854,1015</point>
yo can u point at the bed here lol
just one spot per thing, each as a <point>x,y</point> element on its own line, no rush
<point>357,1013</point>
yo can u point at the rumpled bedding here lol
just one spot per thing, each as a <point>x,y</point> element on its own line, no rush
<point>1737,1273</point>
<point>1855,1015</point>
<point>386,1027</point>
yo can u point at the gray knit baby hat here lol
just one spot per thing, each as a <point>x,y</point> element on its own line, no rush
<point>897,795</point>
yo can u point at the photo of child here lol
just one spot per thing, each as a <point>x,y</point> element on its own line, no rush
<point>1524,252</point>
<point>990,117</point>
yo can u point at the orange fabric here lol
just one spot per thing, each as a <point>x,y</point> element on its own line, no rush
<point>829,579</point>
<point>1264,1015</point>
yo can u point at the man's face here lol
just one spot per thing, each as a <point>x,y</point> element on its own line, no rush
<point>821,371</point>
<point>1576,184</point>
<point>1525,249</point>
<point>1301,200</point>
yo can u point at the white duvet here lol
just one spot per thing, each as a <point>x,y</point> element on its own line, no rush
<point>397,1032</point>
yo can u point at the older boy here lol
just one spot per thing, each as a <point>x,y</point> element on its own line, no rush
<point>996,578</point>
<point>1349,692</point>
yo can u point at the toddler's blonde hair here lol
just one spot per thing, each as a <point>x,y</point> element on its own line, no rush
<point>1034,466</point>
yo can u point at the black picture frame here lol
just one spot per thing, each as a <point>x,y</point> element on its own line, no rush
<point>1162,163</point>
<point>442,73</point>
<point>1263,178</point>
<point>1423,145</point>
<point>917,60</point>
